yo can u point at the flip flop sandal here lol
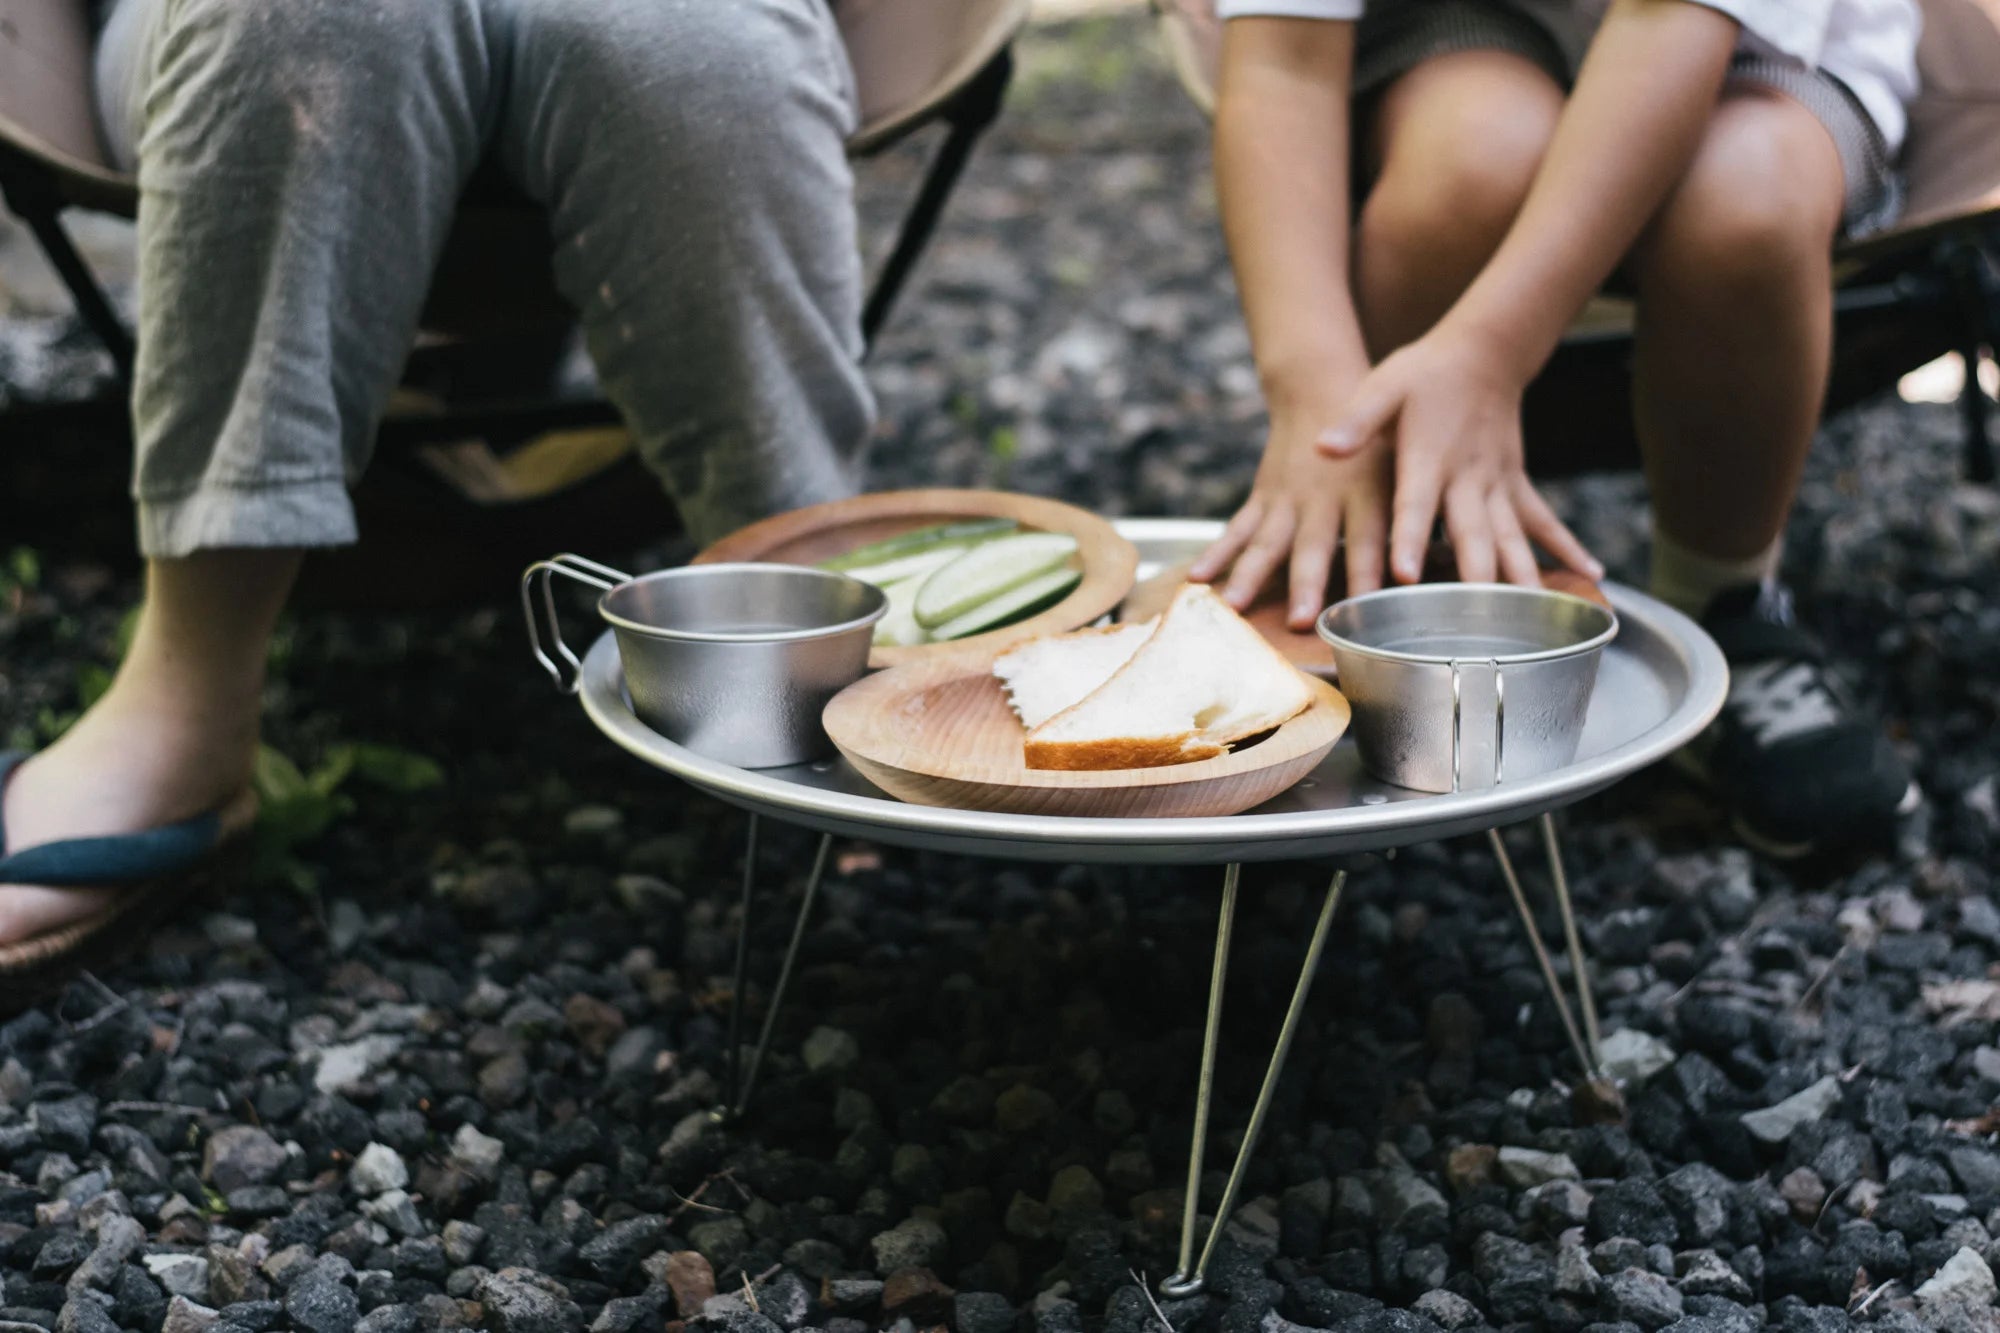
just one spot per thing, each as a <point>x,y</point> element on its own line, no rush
<point>159,869</point>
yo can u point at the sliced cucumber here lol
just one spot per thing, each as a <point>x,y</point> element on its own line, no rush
<point>922,539</point>
<point>898,628</point>
<point>986,571</point>
<point>904,568</point>
<point>1017,603</point>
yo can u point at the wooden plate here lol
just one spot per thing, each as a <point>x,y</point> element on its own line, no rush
<point>941,733</point>
<point>1305,649</point>
<point>806,536</point>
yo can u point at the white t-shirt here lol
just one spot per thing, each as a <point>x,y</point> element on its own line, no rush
<point>1869,45</point>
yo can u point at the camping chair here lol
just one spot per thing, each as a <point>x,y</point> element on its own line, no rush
<point>1926,287</point>
<point>916,62</point>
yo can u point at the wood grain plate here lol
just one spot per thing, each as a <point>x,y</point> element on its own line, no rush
<point>941,733</point>
<point>807,536</point>
<point>1305,649</point>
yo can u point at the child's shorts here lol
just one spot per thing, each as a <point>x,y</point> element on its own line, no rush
<point>1395,36</point>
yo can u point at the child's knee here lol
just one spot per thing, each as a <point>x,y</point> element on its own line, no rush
<point>1761,202</point>
<point>1453,186</point>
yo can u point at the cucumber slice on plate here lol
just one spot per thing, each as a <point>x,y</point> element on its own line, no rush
<point>988,570</point>
<point>1018,603</point>
<point>898,628</point>
<point>962,533</point>
<point>901,569</point>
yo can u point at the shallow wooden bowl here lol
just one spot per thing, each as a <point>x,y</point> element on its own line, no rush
<point>1305,649</point>
<point>941,733</point>
<point>807,536</point>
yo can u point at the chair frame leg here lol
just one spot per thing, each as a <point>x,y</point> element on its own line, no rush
<point>1586,1048</point>
<point>971,110</point>
<point>31,195</point>
<point>1192,1274</point>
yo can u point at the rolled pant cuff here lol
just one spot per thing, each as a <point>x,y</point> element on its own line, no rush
<point>289,514</point>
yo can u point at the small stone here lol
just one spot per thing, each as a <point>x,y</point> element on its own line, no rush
<point>519,1301</point>
<point>692,1280</point>
<point>1075,1190</point>
<point>179,1274</point>
<point>462,1241</point>
<point>1631,1056</point>
<point>592,1022</point>
<point>853,1293</point>
<point>722,1240</point>
<point>1774,1124</point>
<point>592,821</point>
<point>1027,1217</point>
<point>241,1155</point>
<point>1964,1280</point>
<point>320,1303</point>
<point>1470,1165</point>
<point>377,1170</point>
<point>1634,1210</point>
<point>1575,1274</point>
<point>1448,1310</point>
<point>478,1154</point>
<point>1406,1202</point>
<point>1112,1113</point>
<point>1023,1109</point>
<point>1647,1299</point>
<point>396,1211</point>
<point>916,1242</point>
<point>915,1294</point>
<point>982,1312</point>
<point>1804,1193</point>
<point>830,1050</point>
<point>185,1316</point>
<point>1699,1196</point>
<point>1706,1273</point>
<point>1524,1168</point>
<point>346,1067</point>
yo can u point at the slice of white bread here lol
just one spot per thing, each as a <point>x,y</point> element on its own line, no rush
<point>1044,676</point>
<point>1204,680</point>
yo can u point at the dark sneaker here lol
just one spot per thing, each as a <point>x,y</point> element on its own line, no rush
<point>1798,767</point>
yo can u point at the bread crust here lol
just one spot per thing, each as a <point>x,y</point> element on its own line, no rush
<point>1120,752</point>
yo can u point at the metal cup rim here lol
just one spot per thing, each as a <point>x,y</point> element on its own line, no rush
<point>625,624</point>
<point>1342,643</point>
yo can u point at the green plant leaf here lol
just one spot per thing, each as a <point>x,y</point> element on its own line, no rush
<point>402,771</point>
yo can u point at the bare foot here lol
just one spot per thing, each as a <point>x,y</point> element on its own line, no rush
<point>123,768</point>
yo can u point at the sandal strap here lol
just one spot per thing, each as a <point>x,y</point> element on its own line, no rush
<point>115,860</point>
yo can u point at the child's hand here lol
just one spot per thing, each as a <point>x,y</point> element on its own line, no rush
<point>1299,509</point>
<point>1454,407</point>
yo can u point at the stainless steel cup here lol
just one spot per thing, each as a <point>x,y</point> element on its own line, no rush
<point>1462,685</point>
<point>733,661</point>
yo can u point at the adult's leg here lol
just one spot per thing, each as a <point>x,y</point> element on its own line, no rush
<point>691,158</point>
<point>298,166</point>
<point>1452,147</point>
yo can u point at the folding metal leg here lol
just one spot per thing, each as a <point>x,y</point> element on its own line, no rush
<point>1192,1273</point>
<point>971,111</point>
<point>738,1091</point>
<point>1586,1051</point>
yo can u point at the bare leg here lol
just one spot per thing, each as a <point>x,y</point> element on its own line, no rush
<point>1452,147</point>
<point>175,735</point>
<point>1735,327</point>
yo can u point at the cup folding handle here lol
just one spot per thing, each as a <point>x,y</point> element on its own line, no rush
<point>601,577</point>
<point>1459,668</point>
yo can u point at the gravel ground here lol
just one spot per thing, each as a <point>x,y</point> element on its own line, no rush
<point>449,1064</point>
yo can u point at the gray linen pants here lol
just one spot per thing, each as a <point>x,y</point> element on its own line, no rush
<point>299,163</point>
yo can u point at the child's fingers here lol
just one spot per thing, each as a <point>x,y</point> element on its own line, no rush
<point>1263,555</point>
<point>1517,557</point>
<point>1543,525</point>
<point>1366,534</point>
<point>1233,539</point>
<point>1416,506</point>
<point>1471,529</point>
<point>1375,403</point>
<point>1312,562</point>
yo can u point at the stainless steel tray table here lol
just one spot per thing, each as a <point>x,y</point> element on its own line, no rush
<point>1662,680</point>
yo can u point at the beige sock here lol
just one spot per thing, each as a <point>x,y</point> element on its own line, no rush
<point>1688,580</point>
